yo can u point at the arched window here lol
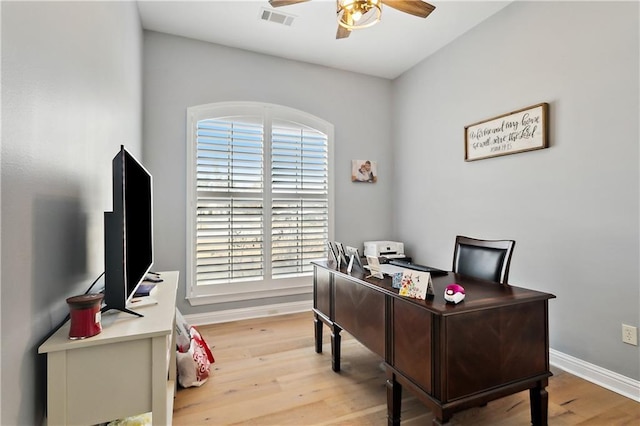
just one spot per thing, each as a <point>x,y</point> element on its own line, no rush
<point>260,200</point>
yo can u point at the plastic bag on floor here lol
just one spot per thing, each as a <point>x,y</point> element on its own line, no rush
<point>194,365</point>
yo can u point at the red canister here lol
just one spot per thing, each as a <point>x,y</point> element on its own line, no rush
<point>85,315</point>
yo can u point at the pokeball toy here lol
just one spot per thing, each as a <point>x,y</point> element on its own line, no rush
<point>454,293</point>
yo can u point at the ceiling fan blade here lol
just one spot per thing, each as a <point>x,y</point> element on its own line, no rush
<point>342,32</point>
<point>278,3</point>
<point>413,7</point>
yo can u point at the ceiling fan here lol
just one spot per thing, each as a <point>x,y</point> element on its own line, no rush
<point>356,14</point>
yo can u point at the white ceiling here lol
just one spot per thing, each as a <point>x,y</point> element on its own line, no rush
<point>397,43</point>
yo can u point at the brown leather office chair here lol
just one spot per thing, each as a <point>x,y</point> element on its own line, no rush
<point>485,259</point>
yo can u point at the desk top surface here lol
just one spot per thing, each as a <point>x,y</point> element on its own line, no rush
<point>479,294</point>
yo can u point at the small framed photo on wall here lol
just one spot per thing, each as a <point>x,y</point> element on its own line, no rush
<point>364,171</point>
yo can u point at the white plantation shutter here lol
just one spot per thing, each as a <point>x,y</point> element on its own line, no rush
<point>299,161</point>
<point>230,156</point>
<point>299,209</point>
<point>229,201</point>
<point>261,202</point>
<point>229,239</point>
<point>299,235</point>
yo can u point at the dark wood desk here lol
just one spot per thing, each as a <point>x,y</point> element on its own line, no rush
<point>452,357</point>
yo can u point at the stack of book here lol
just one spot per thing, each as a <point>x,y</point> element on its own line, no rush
<point>145,289</point>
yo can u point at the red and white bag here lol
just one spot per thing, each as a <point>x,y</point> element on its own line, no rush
<point>183,338</point>
<point>194,365</point>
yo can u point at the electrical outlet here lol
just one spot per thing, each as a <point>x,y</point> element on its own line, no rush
<point>630,334</point>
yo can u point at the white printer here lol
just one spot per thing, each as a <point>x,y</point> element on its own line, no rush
<point>390,249</point>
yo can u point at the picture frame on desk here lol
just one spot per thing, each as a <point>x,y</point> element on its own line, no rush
<point>332,256</point>
<point>341,253</point>
<point>374,267</point>
<point>353,253</point>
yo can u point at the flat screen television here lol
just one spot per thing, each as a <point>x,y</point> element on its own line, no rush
<point>128,232</point>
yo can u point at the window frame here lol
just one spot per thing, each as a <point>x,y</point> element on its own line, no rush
<point>238,291</point>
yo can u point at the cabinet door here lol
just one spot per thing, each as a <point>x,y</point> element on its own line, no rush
<point>493,347</point>
<point>412,342</point>
<point>360,311</point>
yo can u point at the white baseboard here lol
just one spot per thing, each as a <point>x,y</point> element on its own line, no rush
<point>248,313</point>
<point>615,382</point>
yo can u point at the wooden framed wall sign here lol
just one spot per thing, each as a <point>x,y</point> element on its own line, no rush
<point>518,131</point>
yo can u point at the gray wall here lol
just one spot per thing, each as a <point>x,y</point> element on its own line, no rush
<point>180,72</point>
<point>71,94</point>
<point>572,208</point>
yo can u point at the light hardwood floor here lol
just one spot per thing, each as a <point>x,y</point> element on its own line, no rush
<point>267,373</point>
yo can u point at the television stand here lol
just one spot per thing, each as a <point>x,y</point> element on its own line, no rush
<point>126,370</point>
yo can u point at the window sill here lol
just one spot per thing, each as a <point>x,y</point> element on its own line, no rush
<point>228,294</point>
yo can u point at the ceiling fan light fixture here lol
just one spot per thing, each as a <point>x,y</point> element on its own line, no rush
<point>356,14</point>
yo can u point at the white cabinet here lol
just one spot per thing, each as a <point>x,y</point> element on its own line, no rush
<point>127,369</point>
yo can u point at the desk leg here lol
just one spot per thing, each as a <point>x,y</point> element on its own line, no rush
<point>394,399</point>
<point>317,324</point>
<point>539,401</point>
<point>335,347</point>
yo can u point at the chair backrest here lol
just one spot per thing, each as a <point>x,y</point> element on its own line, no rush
<point>485,259</point>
